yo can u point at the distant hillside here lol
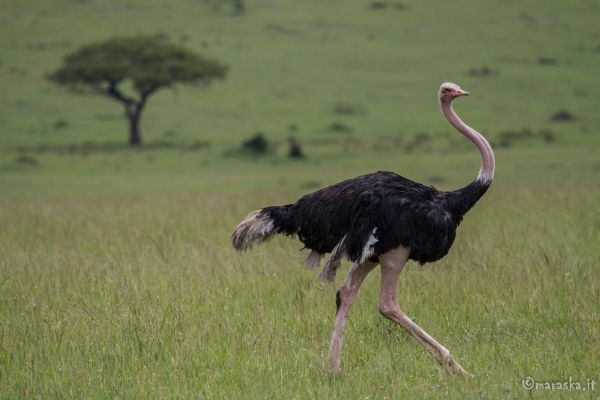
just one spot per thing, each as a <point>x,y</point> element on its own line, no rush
<point>300,67</point>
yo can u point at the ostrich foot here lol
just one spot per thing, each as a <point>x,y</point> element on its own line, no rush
<point>455,368</point>
<point>333,365</point>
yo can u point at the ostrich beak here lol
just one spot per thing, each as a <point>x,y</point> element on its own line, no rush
<point>460,92</point>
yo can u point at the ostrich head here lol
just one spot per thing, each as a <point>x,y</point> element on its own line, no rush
<point>450,91</point>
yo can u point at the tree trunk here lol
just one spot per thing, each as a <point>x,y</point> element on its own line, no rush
<point>135,136</point>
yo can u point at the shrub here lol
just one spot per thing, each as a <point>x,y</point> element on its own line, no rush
<point>295,150</point>
<point>25,159</point>
<point>483,71</point>
<point>546,60</point>
<point>257,144</point>
<point>562,115</point>
<point>382,5</point>
<point>344,108</point>
<point>340,127</point>
<point>61,124</point>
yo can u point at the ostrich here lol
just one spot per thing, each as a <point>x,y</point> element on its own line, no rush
<point>378,218</point>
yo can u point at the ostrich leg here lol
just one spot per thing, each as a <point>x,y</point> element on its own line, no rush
<point>345,297</point>
<point>392,264</point>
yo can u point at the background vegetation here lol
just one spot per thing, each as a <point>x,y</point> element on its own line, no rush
<point>116,275</point>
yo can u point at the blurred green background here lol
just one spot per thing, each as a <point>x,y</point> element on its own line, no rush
<point>353,81</point>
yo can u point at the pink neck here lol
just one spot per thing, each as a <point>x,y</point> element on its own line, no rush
<point>488,164</point>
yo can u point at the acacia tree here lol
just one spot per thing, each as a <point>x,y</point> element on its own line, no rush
<point>131,69</point>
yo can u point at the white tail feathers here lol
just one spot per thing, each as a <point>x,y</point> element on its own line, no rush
<point>254,229</point>
<point>258,227</point>
<point>312,260</point>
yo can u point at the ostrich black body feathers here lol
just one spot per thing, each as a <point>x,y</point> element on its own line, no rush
<point>374,213</point>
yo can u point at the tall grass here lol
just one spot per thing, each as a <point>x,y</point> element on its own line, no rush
<point>143,297</point>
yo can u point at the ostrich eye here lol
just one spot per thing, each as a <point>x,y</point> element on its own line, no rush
<point>445,90</point>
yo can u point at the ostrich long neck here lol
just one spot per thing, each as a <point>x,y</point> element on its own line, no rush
<point>488,164</point>
<point>460,201</point>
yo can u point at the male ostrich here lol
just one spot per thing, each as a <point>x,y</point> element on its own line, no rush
<point>376,218</point>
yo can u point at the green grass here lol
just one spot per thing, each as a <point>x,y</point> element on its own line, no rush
<point>117,279</point>
<point>143,297</point>
<point>292,62</point>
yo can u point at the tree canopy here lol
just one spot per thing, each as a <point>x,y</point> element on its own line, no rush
<point>144,64</point>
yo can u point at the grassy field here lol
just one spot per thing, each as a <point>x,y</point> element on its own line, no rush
<point>117,279</point>
<point>143,297</point>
